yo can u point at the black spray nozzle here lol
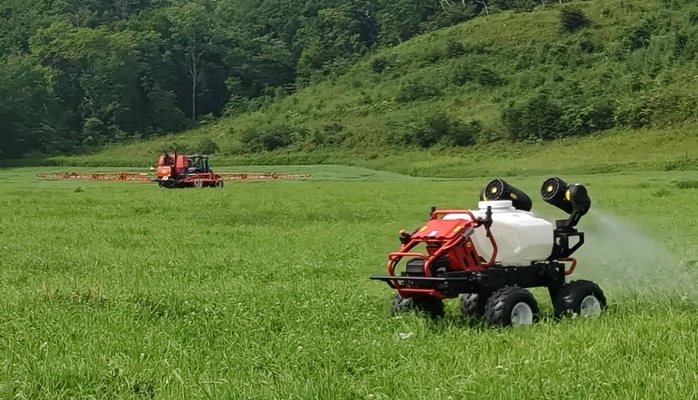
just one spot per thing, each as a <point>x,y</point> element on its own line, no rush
<point>498,189</point>
<point>568,198</point>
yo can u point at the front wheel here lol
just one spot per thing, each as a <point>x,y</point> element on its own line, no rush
<point>581,297</point>
<point>432,306</point>
<point>511,306</point>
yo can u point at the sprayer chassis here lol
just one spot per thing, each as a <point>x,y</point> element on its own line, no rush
<point>484,282</point>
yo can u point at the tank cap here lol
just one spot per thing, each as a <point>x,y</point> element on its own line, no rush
<point>495,204</point>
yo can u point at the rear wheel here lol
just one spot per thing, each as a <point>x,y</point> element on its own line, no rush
<point>511,306</point>
<point>581,297</point>
<point>433,306</point>
<point>472,305</point>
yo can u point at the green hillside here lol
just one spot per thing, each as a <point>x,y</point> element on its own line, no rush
<point>616,78</point>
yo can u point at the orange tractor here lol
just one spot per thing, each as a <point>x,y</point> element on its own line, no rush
<point>179,170</point>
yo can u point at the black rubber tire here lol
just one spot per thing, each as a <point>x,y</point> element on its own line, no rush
<point>500,305</point>
<point>569,299</point>
<point>471,305</point>
<point>430,305</point>
<point>198,183</point>
<point>218,184</point>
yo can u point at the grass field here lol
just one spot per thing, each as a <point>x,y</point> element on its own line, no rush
<point>260,290</point>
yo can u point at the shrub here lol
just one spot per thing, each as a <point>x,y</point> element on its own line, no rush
<point>572,18</point>
<point>658,109</point>
<point>465,71</point>
<point>486,77</point>
<point>454,49</point>
<point>416,90</point>
<point>635,114</point>
<point>461,72</point>
<point>581,119</point>
<point>442,129</point>
<point>638,36</point>
<point>206,146</point>
<point>380,64</point>
<point>173,145</point>
<point>589,47</point>
<point>433,55</point>
<point>462,134</point>
<point>268,138</point>
<point>539,118</point>
<point>331,135</point>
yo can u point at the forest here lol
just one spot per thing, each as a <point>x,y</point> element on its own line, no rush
<point>78,74</point>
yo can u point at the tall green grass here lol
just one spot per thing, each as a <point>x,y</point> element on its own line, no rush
<point>647,150</point>
<point>261,290</point>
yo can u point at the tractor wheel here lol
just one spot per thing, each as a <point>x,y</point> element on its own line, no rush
<point>511,306</point>
<point>198,183</point>
<point>431,305</point>
<point>471,305</point>
<point>219,184</point>
<point>581,297</point>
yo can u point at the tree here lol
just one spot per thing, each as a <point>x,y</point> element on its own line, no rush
<point>29,110</point>
<point>194,35</point>
<point>97,76</point>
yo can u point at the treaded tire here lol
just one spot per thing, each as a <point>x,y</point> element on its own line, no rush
<point>499,307</point>
<point>471,305</point>
<point>432,306</point>
<point>569,299</point>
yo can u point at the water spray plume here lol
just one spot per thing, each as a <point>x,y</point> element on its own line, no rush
<point>618,252</point>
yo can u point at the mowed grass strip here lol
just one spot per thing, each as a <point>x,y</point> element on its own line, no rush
<point>261,290</point>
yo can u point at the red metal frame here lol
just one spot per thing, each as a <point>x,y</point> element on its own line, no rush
<point>458,247</point>
<point>244,176</point>
<point>108,176</point>
<point>144,177</point>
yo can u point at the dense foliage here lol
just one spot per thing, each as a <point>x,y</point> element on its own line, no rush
<point>561,71</point>
<point>76,74</point>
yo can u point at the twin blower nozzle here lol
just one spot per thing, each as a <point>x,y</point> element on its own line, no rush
<point>568,198</point>
<point>554,191</point>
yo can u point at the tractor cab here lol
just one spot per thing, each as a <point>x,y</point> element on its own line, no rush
<point>198,164</point>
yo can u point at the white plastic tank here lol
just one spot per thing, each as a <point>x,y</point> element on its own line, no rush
<point>521,237</point>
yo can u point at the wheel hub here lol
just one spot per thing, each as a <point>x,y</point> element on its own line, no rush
<point>590,307</point>
<point>521,314</point>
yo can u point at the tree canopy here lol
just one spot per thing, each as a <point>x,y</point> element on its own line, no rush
<point>77,74</point>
